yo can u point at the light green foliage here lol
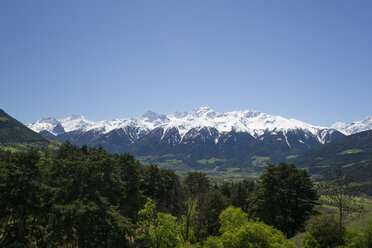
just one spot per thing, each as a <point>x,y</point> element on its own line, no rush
<point>156,230</point>
<point>232,218</point>
<point>350,151</point>
<point>292,156</point>
<point>255,234</point>
<point>145,220</point>
<point>259,161</point>
<point>213,242</point>
<point>211,161</point>
<point>188,221</point>
<point>164,233</point>
<point>368,235</point>
<point>354,239</point>
<point>238,232</point>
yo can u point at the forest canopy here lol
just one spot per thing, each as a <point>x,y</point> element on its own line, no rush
<point>87,197</point>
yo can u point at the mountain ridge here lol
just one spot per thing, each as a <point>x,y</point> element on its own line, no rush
<point>354,127</point>
<point>249,121</point>
<point>189,137</point>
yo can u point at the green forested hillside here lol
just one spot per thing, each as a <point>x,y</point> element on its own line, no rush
<point>353,153</point>
<point>16,136</point>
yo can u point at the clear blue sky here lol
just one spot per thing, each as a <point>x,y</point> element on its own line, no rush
<point>308,60</point>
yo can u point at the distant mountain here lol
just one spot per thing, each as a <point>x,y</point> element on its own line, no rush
<point>353,153</point>
<point>354,127</point>
<point>239,138</point>
<point>14,135</point>
<point>346,151</point>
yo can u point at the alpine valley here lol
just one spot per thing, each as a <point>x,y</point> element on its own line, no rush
<point>200,139</point>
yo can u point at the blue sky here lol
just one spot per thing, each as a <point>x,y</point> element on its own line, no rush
<point>308,60</point>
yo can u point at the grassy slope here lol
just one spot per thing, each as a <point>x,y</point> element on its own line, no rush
<point>15,136</point>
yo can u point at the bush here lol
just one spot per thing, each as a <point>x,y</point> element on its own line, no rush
<point>322,231</point>
<point>213,242</point>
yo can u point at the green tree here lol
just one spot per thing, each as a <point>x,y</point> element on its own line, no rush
<point>158,230</point>
<point>88,192</point>
<point>232,218</point>
<point>213,242</point>
<point>21,195</point>
<point>196,186</point>
<point>211,206</point>
<point>130,173</point>
<point>338,190</point>
<point>322,231</point>
<point>238,231</point>
<point>164,187</point>
<point>285,198</point>
<point>242,195</point>
<point>196,183</point>
<point>188,221</point>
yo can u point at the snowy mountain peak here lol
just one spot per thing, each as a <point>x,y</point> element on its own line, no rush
<point>354,127</point>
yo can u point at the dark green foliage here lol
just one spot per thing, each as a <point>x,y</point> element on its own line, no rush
<point>86,197</point>
<point>323,231</point>
<point>130,174</point>
<point>353,152</point>
<point>286,198</point>
<point>242,195</point>
<point>196,183</point>
<point>80,197</point>
<point>350,149</point>
<point>88,193</point>
<point>164,187</point>
<point>21,191</point>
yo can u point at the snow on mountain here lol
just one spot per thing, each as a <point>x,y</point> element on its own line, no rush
<point>71,123</point>
<point>247,121</point>
<point>354,127</point>
<point>45,124</point>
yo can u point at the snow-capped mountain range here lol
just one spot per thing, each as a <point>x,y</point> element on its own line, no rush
<point>197,131</point>
<point>246,121</point>
<point>354,127</point>
<point>239,138</point>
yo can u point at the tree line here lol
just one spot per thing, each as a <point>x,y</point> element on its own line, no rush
<point>87,197</point>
